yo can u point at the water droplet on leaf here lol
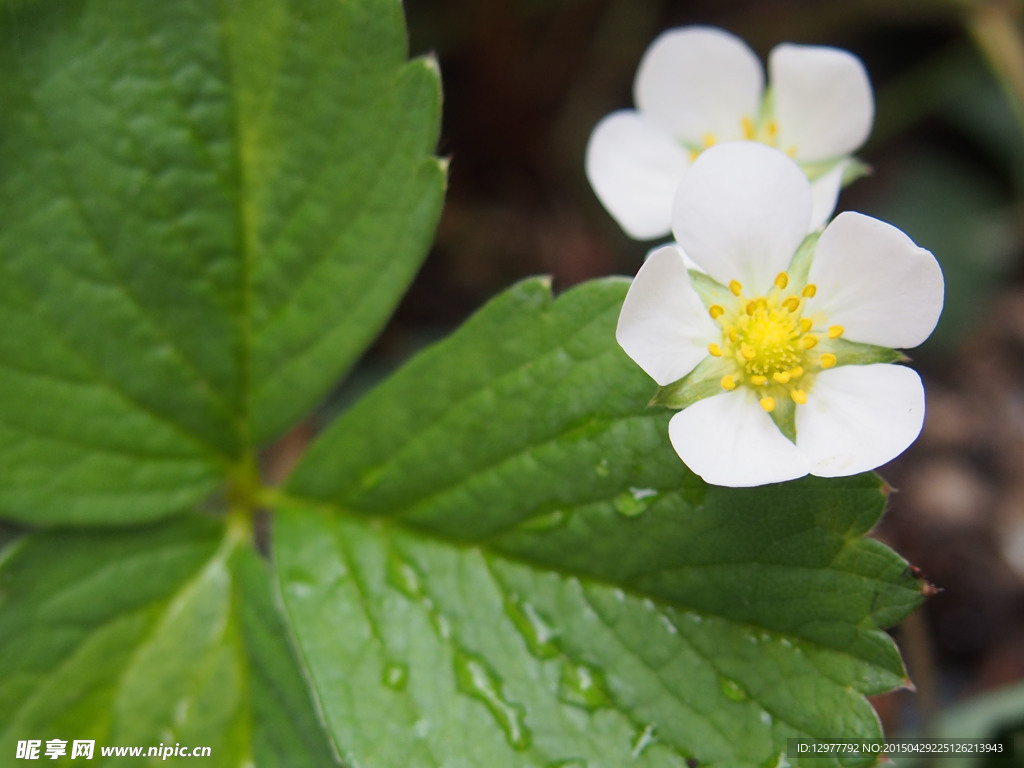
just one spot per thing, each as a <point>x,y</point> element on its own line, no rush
<point>540,637</point>
<point>635,501</point>
<point>667,623</point>
<point>403,577</point>
<point>777,761</point>
<point>475,678</point>
<point>547,521</point>
<point>300,583</point>
<point>642,739</point>
<point>732,689</point>
<point>395,676</point>
<point>583,686</point>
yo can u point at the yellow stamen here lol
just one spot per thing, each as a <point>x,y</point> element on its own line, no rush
<point>731,333</point>
<point>728,383</point>
<point>747,351</point>
<point>714,350</point>
<point>791,150</point>
<point>781,376</point>
<point>748,128</point>
<point>828,360</point>
<point>751,307</point>
<point>694,154</point>
<point>736,287</point>
<point>768,403</point>
<point>781,281</point>
<point>758,380</point>
<point>716,311</point>
<point>796,372</point>
<point>773,129</point>
<point>799,396</point>
<point>709,140</point>
<point>810,341</point>
<point>806,324</point>
<point>791,305</point>
<point>809,290</point>
<point>835,331</point>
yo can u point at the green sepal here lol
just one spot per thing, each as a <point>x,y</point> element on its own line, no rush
<point>855,169</point>
<point>784,416</point>
<point>703,381</point>
<point>800,265</point>
<point>856,353</point>
<point>710,290</point>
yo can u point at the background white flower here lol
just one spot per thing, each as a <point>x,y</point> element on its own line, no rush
<point>699,86</point>
<point>779,353</point>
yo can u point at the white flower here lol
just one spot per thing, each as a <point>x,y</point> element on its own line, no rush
<point>779,352</point>
<point>698,86</point>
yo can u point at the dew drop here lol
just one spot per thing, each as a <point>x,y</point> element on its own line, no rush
<point>642,739</point>
<point>766,718</point>
<point>583,686</point>
<point>299,589</point>
<point>181,711</point>
<point>475,678</point>
<point>541,638</point>
<point>667,623</point>
<point>395,676</point>
<point>404,577</point>
<point>547,521</point>
<point>732,689</point>
<point>634,502</point>
<point>776,761</point>
<point>441,624</point>
<point>300,583</point>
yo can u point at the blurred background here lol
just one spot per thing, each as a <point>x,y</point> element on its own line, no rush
<point>526,80</point>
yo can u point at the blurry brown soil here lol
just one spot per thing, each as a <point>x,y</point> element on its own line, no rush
<point>958,515</point>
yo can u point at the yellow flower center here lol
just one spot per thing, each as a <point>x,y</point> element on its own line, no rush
<point>769,339</point>
<point>766,133</point>
<point>771,342</point>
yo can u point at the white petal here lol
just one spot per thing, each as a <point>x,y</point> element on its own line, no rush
<point>823,102</point>
<point>664,326</point>
<point>741,211</point>
<point>875,282</point>
<point>634,167</point>
<point>690,263</point>
<point>858,417</point>
<point>697,81</point>
<point>729,440</point>
<point>825,194</point>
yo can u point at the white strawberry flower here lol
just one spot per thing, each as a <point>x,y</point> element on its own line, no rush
<point>699,86</point>
<point>779,350</point>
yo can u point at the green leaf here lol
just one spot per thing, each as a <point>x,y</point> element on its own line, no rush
<point>705,380</point>
<point>164,634</point>
<point>496,558</point>
<point>210,208</point>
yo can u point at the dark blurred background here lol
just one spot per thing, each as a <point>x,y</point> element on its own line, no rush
<point>526,80</point>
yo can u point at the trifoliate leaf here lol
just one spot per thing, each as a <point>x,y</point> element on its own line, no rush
<point>208,211</point>
<point>497,559</point>
<point>165,634</point>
